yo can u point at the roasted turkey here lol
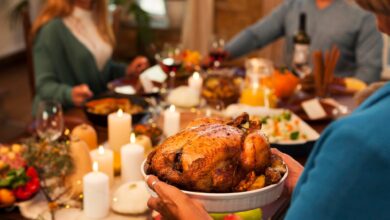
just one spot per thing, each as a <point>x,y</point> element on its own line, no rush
<point>212,155</point>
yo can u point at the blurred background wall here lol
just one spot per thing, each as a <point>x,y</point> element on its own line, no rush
<point>11,31</point>
<point>231,16</point>
<point>11,35</point>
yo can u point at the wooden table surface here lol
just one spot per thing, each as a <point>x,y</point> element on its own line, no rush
<point>75,116</point>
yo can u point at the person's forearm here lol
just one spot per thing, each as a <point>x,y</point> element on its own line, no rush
<point>240,45</point>
<point>369,75</point>
<point>259,34</point>
<point>55,91</point>
<point>369,51</point>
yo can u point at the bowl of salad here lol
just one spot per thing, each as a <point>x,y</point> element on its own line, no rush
<point>18,182</point>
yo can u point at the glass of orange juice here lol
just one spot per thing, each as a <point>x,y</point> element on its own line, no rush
<point>255,92</point>
<point>258,95</point>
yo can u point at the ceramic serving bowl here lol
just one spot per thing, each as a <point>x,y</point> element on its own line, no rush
<point>236,201</point>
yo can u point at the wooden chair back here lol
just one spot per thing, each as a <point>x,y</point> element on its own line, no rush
<point>29,56</point>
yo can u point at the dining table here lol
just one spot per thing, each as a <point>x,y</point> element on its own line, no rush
<point>76,115</point>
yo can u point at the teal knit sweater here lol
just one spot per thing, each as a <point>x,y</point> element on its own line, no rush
<point>347,174</point>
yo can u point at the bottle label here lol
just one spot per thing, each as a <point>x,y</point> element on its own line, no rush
<point>301,54</point>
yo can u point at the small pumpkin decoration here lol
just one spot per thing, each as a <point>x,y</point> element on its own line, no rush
<point>82,165</point>
<point>86,133</point>
<point>283,82</point>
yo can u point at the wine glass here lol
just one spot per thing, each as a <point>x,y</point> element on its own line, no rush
<point>211,108</point>
<point>170,60</point>
<point>258,68</point>
<point>217,52</point>
<point>49,120</point>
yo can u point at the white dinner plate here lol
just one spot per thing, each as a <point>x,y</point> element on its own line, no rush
<point>312,135</point>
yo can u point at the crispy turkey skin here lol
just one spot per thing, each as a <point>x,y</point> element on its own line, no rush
<point>211,155</point>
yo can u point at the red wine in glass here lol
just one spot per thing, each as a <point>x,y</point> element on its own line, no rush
<point>217,56</point>
<point>171,65</point>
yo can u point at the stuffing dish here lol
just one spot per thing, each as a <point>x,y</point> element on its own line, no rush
<point>106,106</point>
<point>213,155</point>
<point>221,88</point>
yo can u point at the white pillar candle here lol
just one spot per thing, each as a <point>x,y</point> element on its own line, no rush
<point>195,82</point>
<point>96,194</point>
<point>132,157</point>
<point>119,129</point>
<point>105,159</point>
<point>171,121</point>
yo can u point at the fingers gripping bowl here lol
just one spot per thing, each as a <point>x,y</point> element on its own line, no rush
<point>227,166</point>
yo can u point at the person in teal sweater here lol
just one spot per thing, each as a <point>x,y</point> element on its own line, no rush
<point>72,50</point>
<point>347,173</point>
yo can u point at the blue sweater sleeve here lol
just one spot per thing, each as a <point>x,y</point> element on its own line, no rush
<point>343,178</point>
<point>260,34</point>
<point>368,51</point>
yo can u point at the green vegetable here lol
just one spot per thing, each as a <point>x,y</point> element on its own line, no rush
<point>14,178</point>
<point>294,135</point>
<point>264,120</point>
<point>132,186</point>
<point>247,215</point>
<point>286,115</point>
<point>6,181</point>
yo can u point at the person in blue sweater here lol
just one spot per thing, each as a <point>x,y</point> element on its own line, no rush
<point>329,22</point>
<point>347,173</point>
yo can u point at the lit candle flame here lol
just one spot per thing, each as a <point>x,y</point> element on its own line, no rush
<point>132,138</point>
<point>95,166</point>
<point>101,150</point>
<point>196,76</point>
<point>120,112</point>
<point>255,85</point>
<point>172,108</point>
<point>208,112</point>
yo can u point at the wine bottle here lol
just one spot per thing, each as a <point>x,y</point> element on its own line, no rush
<point>300,58</point>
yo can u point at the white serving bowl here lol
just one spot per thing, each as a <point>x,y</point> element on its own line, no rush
<point>236,201</point>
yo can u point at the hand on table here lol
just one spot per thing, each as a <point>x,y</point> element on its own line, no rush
<point>137,66</point>
<point>173,203</point>
<point>362,95</point>
<point>80,93</point>
<point>295,170</point>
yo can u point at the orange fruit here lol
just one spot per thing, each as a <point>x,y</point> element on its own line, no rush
<point>7,198</point>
